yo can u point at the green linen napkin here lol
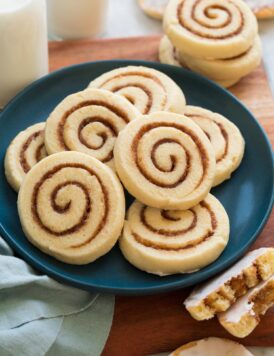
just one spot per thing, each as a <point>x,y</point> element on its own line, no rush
<point>39,316</point>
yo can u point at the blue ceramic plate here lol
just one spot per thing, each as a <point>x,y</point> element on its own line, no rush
<point>247,197</point>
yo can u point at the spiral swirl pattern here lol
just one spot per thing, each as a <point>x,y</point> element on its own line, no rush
<point>225,137</point>
<point>23,153</point>
<point>210,28</point>
<point>72,207</point>
<point>175,241</point>
<point>89,122</point>
<point>146,88</point>
<point>165,161</point>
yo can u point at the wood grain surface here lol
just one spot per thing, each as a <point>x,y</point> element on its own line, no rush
<point>152,324</point>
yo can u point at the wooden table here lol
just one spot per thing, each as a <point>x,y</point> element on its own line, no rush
<point>152,324</point>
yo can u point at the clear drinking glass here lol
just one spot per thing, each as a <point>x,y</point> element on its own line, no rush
<point>23,45</point>
<point>74,19</point>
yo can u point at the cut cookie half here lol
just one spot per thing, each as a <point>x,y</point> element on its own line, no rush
<point>221,292</point>
<point>243,317</point>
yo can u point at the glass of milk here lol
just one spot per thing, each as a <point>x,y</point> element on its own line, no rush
<point>74,19</point>
<point>23,45</point>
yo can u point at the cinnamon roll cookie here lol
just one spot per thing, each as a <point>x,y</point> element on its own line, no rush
<point>165,160</point>
<point>223,71</point>
<point>89,122</point>
<point>169,55</point>
<point>146,88</point>
<point>218,294</point>
<point>165,242</point>
<point>243,317</point>
<point>72,207</point>
<point>225,137</point>
<point>24,152</point>
<point>210,28</point>
<point>227,68</point>
<point>212,346</point>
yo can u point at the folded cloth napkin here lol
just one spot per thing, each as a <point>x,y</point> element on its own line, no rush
<point>39,316</point>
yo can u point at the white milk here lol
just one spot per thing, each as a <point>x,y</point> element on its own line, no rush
<point>23,45</point>
<point>71,19</point>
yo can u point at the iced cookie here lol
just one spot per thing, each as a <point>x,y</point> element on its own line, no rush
<point>263,9</point>
<point>243,317</point>
<point>146,88</point>
<point>212,346</point>
<point>165,161</point>
<point>225,137</point>
<point>165,242</point>
<point>26,149</point>
<point>221,292</point>
<point>89,122</point>
<point>72,207</point>
<point>210,29</point>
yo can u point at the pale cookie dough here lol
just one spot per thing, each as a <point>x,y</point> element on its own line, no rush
<point>146,88</point>
<point>165,242</point>
<point>218,294</point>
<point>210,28</point>
<point>227,68</point>
<point>243,317</point>
<point>225,137</point>
<point>72,207</point>
<point>212,346</point>
<point>227,83</point>
<point>25,150</point>
<point>89,121</point>
<point>169,55</point>
<point>165,160</point>
<point>262,9</point>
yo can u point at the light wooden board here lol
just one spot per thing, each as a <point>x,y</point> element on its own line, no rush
<point>152,324</point>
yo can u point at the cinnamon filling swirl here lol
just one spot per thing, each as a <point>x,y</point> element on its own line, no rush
<point>141,86</point>
<point>119,112</point>
<point>112,129</point>
<point>173,233</point>
<point>64,209</point>
<point>173,162</point>
<point>207,12</point>
<point>223,132</point>
<point>165,214</point>
<point>38,152</point>
<point>144,89</point>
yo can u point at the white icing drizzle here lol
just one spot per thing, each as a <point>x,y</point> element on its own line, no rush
<point>206,289</point>
<point>243,306</point>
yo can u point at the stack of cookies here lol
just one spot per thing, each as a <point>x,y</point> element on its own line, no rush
<point>218,39</point>
<point>212,346</point>
<point>130,129</point>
